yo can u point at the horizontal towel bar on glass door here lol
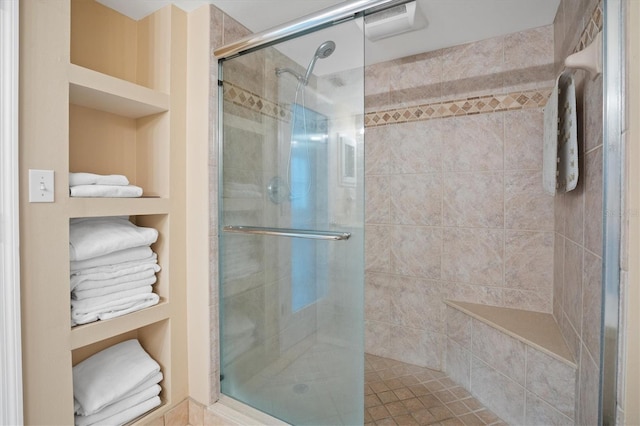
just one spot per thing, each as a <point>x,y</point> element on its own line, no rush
<point>287,232</point>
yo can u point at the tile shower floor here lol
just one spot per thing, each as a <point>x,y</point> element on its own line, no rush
<point>397,393</point>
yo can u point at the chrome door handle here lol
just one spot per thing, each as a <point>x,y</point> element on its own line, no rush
<point>288,232</point>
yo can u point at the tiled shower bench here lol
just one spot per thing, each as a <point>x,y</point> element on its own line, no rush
<point>513,361</point>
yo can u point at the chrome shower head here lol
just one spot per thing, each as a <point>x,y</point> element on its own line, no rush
<point>323,51</point>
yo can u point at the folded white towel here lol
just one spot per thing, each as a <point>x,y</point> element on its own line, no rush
<point>106,279</point>
<point>94,237</point>
<point>109,375</point>
<point>115,308</point>
<point>93,293</point>
<point>114,261</point>
<point>115,191</point>
<point>76,179</point>
<point>152,380</point>
<point>129,414</point>
<point>89,304</point>
<point>118,407</point>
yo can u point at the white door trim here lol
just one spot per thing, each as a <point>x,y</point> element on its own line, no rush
<point>10,342</point>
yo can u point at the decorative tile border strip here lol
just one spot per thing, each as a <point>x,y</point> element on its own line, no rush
<point>459,107</point>
<point>256,103</point>
<point>467,106</point>
<point>594,26</point>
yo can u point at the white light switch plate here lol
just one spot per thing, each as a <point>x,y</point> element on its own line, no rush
<point>40,186</point>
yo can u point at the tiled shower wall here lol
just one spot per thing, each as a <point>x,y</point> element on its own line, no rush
<point>578,216</point>
<point>454,200</point>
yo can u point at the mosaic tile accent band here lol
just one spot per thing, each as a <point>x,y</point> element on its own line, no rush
<point>592,29</point>
<point>468,106</point>
<point>256,103</point>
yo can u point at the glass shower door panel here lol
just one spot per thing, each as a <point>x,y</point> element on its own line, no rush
<point>291,238</point>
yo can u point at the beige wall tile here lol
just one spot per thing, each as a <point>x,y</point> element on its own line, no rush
<point>570,336</point>
<point>179,415</point>
<point>529,56</point>
<point>572,297</point>
<point>587,410</point>
<point>159,421</point>
<point>574,217</point>
<point>377,248</point>
<point>419,347</point>
<point>211,419</point>
<point>558,276</point>
<point>503,353</point>
<point>416,303</point>
<point>529,260</point>
<point>526,204</point>
<point>377,199</point>
<point>498,393</point>
<point>416,79</point>
<point>473,200</point>
<point>416,251</point>
<point>416,199</point>
<point>377,78</point>
<point>474,143</point>
<point>538,300</point>
<point>473,293</point>
<point>473,68</point>
<point>416,147</point>
<point>377,297</point>
<point>196,414</point>
<point>560,212</point>
<point>551,380</point>
<point>539,412</point>
<point>593,201</point>
<point>458,327</point>
<point>593,119</point>
<point>592,304</point>
<point>523,136</point>
<point>377,338</point>
<point>376,150</point>
<point>473,256</point>
<point>458,363</point>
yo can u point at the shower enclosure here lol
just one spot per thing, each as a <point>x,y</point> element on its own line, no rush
<point>291,198</point>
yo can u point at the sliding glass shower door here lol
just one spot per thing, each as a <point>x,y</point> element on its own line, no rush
<point>291,227</point>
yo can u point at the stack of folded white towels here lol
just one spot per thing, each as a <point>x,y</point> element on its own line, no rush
<point>112,268</point>
<point>116,385</point>
<point>92,185</point>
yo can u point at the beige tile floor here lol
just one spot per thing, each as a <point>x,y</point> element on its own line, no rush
<point>403,394</point>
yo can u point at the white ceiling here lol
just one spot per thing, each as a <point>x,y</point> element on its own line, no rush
<point>449,23</point>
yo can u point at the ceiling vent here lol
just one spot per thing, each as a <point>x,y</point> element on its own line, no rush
<point>395,20</point>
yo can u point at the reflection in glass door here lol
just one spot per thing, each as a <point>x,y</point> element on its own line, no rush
<point>291,237</point>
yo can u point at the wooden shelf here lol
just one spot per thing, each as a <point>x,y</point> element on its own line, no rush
<point>87,334</point>
<point>99,91</point>
<point>94,207</point>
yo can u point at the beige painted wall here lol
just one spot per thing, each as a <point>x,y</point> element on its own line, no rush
<point>197,194</point>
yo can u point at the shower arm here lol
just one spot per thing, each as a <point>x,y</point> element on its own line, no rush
<point>301,79</point>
